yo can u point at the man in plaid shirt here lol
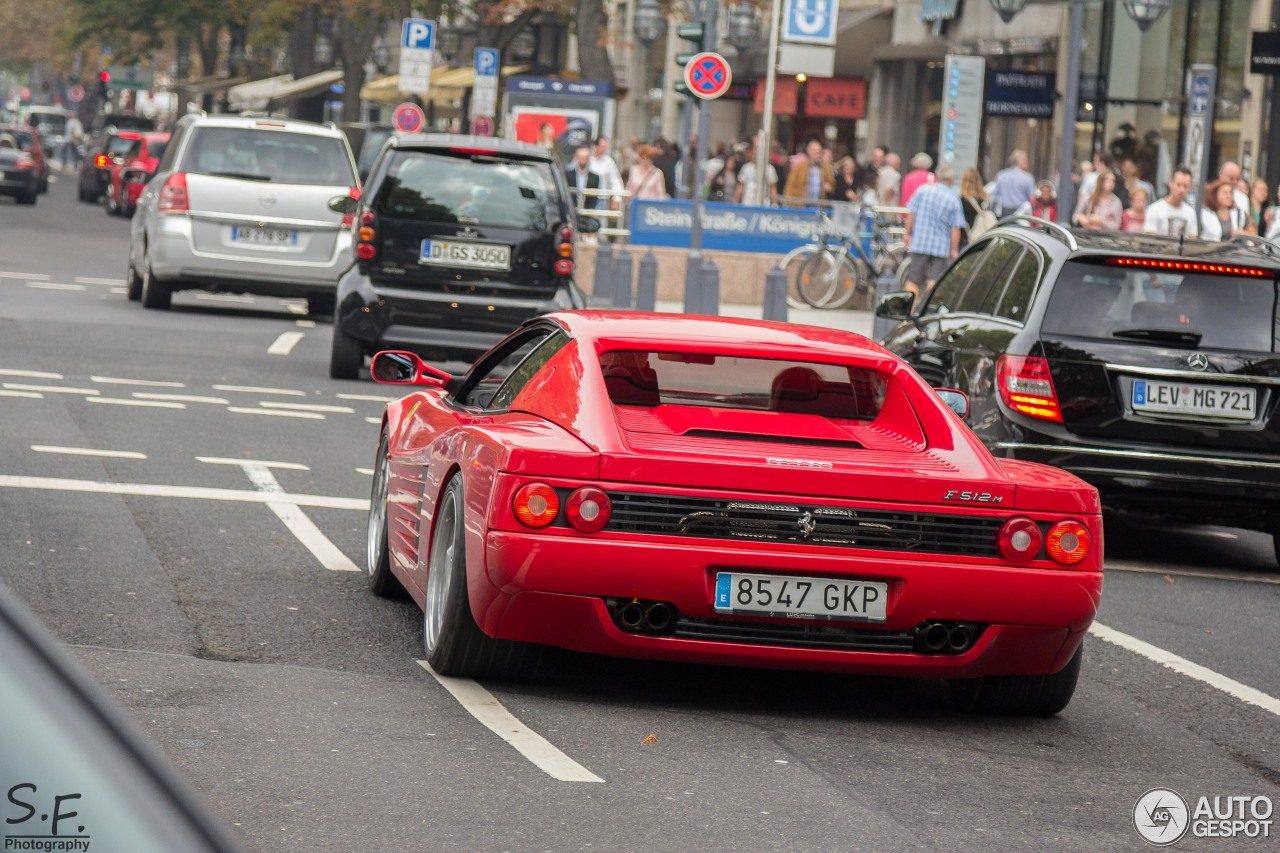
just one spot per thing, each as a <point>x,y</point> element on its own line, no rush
<point>934,222</point>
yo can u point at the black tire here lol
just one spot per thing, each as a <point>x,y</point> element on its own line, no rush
<point>1275,540</point>
<point>321,306</point>
<point>84,196</point>
<point>461,648</point>
<point>155,294</point>
<point>382,582</point>
<point>1024,695</point>
<point>44,184</point>
<point>28,198</point>
<point>347,356</point>
<point>132,282</point>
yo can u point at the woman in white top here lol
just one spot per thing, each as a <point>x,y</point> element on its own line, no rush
<point>1101,210</point>
<point>1220,219</point>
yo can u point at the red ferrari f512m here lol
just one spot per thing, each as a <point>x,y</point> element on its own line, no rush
<point>726,492</point>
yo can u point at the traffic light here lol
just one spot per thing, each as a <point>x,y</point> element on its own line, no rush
<point>104,84</point>
<point>696,33</point>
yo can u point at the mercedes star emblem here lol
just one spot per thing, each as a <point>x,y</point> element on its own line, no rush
<point>1198,361</point>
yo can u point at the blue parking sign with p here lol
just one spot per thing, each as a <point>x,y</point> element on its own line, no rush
<point>486,62</point>
<point>418,34</point>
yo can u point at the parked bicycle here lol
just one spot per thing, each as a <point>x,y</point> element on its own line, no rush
<point>852,248</point>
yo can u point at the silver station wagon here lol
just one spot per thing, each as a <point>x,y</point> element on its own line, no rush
<point>242,205</point>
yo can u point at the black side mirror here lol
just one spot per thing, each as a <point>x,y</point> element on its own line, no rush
<point>955,400</point>
<point>588,224</point>
<point>897,305</point>
<point>343,204</point>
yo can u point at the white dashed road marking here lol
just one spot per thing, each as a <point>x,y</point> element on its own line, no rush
<point>368,472</point>
<point>284,344</point>
<point>244,410</point>
<point>494,716</point>
<point>31,374</point>
<point>85,451</point>
<point>306,324</point>
<point>297,521</point>
<point>295,307</point>
<point>152,404</point>
<point>371,398</point>
<point>1122,566</point>
<point>49,389</point>
<point>86,279</point>
<point>50,285</point>
<point>182,398</point>
<point>307,407</point>
<point>30,395</point>
<point>250,389</point>
<point>157,383</point>
<point>240,463</point>
<point>1231,687</point>
<point>373,420</point>
<point>26,276</point>
<point>151,490</point>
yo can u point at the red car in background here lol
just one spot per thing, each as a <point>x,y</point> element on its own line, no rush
<point>726,492</point>
<point>129,172</point>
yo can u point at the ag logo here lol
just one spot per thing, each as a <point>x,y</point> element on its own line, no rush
<point>1198,361</point>
<point>1161,816</point>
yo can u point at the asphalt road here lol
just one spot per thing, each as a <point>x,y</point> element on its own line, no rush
<point>292,699</point>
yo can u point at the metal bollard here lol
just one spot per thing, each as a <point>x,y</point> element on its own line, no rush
<point>693,284</point>
<point>622,268</point>
<point>775,295</point>
<point>602,291</point>
<point>887,283</point>
<point>647,283</point>
<point>710,288</point>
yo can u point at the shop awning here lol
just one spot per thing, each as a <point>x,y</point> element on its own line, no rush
<point>447,85</point>
<point>256,94</point>
<point>209,84</point>
<point>303,87</point>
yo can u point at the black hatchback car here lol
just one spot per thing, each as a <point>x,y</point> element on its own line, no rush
<point>458,240</point>
<point>1146,365</point>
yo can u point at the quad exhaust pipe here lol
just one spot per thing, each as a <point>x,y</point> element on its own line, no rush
<point>946,637</point>
<point>644,617</point>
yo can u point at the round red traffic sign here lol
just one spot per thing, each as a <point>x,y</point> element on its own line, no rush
<point>482,125</point>
<point>75,93</point>
<point>708,76</point>
<point>409,118</point>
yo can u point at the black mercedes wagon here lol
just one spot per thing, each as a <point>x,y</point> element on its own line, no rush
<point>1146,365</point>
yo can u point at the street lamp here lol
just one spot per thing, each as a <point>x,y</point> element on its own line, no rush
<point>1146,12</point>
<point>649,25</point>
<point>449,42</point>
<point>1006,9</point>
<point>743,27</point>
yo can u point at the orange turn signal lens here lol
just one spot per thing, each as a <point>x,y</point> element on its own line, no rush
<point>365,234</point>
<point>1068,542</point>
<point>565,250</point>
<point>536,505</point>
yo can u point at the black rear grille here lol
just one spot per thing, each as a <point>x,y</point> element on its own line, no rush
<point>799,636</point>
<point>721,518</point>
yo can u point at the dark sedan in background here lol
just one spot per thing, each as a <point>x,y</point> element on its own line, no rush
<point>1148,366</point>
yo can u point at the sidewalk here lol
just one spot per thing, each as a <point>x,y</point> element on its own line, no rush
<point>859,322</point>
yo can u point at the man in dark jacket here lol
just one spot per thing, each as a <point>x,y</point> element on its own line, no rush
<point>580,178</point>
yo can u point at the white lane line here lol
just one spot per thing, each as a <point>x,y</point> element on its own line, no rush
<point>307,407</point>
<point>243,410</point>
<point>306,324</point>
<point>152,404</point>
<point>297,521</point>
<point>494,716</point>
<point>112,380</point>
<point>284,344</point>
<point>54,286</point>
<point>31,374</point>
<point>1120,566</point>
<point>26,276</point>
<point>49,389</point>
<point>250,389</point>
<point>30,395</point>
<point>373,420</point>
<point>295,307</point>
<point>225,297</point>
<point>85,451</point>
<point>371,398</point>
<point>182,398</point>
<point>1231,687</point>
<point>368,472</point>
<point>240,463</point>
<point>151,490</point>
<point>88,279</point>
<point>117,290</point>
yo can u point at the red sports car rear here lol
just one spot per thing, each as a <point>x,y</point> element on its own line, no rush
<point>732,492</point>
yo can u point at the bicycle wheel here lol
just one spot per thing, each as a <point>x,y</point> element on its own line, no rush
<point>793,265</point>
<point>835,283</point>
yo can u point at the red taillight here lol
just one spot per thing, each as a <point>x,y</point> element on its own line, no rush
<point>562,264</point>
<point>100,161</point>
<point>367,235</point>
<point>566,234</point>
<point>471,152</point>
<point>588,509</point>
<point>1027,388</point>
<point>366,251</point>
<point>368,218</point>
<point>1190,266</point>
<point>1019,540</point>
<point>536,505</point>
<point>349,218</point>
<point>1068,542</point>
<point>563,267</point>
<point>173,195</point>
<point>24,162</point>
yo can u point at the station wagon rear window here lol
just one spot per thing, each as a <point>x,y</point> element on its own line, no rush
<point>491,190</point>
<point>734,382</point>
<point>270,156</point>
<point>1163,308</point>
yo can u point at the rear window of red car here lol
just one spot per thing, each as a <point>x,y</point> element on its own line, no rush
<point>635,378</point>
